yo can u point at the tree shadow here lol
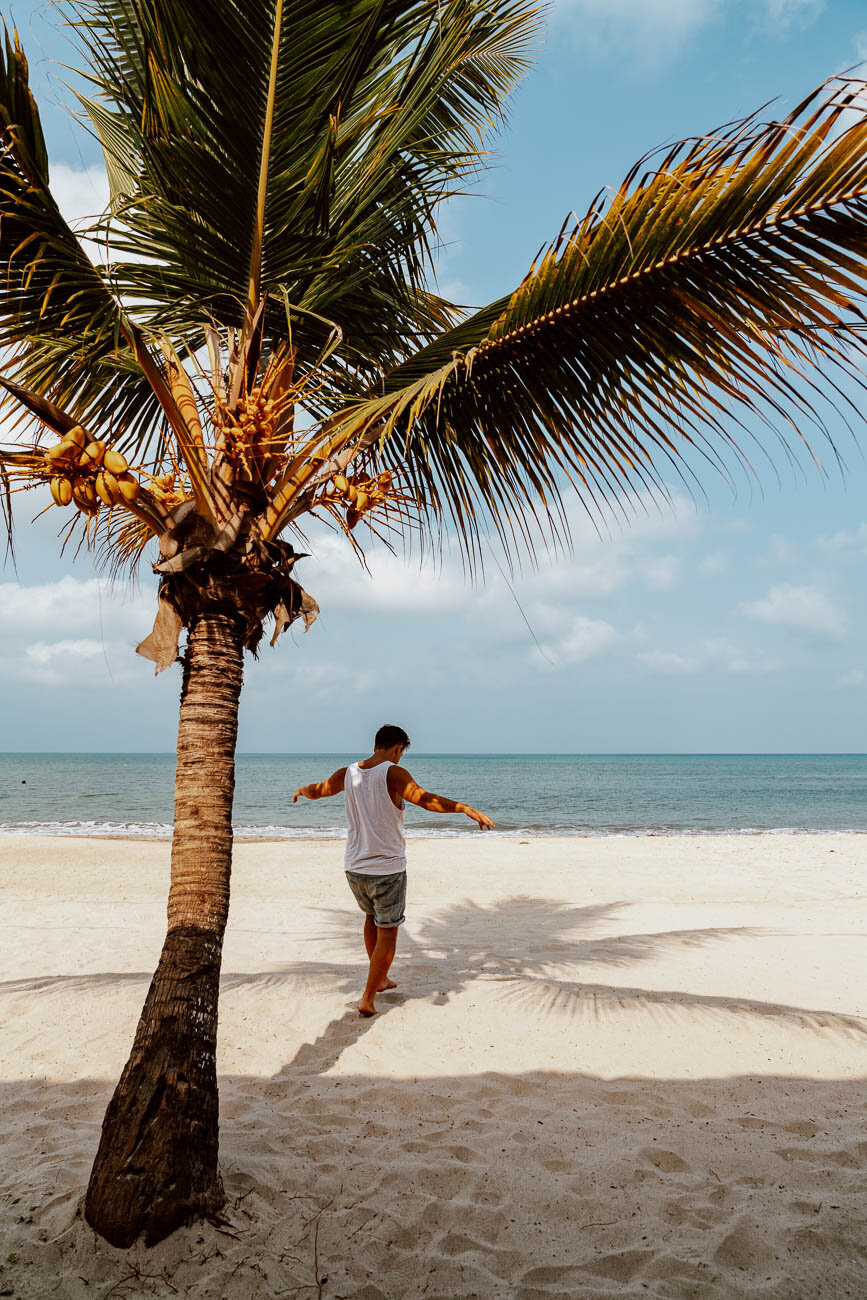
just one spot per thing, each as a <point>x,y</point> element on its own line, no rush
<point>542,1186</point>
<point>516,942</point>
<point>536,949</point>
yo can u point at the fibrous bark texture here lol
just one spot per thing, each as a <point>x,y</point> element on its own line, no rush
<point>156,1167</point>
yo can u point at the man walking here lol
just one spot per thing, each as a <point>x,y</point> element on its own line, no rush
<point>376,791</point>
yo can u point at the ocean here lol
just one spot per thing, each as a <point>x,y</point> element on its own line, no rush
<point>526,794</point>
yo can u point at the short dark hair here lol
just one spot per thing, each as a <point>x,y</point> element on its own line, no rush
<point>389,735</point>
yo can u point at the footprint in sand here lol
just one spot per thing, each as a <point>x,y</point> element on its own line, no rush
<point>805,1207</point>
<point>678,1212</point>
<point>817,1156</point>
<point>455,1243</point>
<point>668,1162</point>
<point>623,1099</point>
<point>744,1248</point>
<point>620,1265</point>
<point>465,1155</point>
<point>804,1128</point>
<point>698,1109</point>
<point>550,1275</point>
<point>556,1165</point>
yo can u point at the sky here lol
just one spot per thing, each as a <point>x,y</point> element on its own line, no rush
<point>730,620</point>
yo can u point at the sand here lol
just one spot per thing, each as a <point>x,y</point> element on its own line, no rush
<point>613,1067</point>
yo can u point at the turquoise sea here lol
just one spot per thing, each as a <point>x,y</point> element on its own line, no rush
<point>532,794</point>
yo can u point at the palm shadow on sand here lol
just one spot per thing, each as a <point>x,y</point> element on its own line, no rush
<point>530,946</point>
<point>516,942</point>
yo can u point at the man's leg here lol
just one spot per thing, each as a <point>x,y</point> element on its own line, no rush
<point>370,934</point>
<point>380,960</point>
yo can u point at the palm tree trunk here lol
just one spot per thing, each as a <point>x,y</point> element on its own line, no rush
<point>156,1167</point>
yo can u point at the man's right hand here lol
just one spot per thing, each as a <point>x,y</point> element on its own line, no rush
<point>481,819</point>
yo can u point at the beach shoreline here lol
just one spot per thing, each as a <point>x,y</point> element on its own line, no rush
<point>307,835</point>
<point>613,1066</point>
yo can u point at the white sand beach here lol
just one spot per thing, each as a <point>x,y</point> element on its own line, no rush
<point>613,1067</point>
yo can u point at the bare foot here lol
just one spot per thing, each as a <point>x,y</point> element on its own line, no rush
<point>366,1009</point>
<point>386,984</point>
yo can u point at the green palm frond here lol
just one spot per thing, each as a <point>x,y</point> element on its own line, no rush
<point>299,148</point>
<point>726,281</point>
<point>60,316</point>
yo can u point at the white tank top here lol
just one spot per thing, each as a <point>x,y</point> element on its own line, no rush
<point>375,843</point>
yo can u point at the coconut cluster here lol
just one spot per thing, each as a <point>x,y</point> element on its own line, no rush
<point>250,432</point>
<point>359,494</point>
<point>166,489</point>
<point>88,473</point>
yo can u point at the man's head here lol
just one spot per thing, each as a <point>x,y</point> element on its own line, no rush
<point>391,740</point>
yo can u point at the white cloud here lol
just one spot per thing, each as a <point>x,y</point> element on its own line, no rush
<point>336,578</point>
<point>80,193</point>
<point>597,567</point>
<point>64,663</point>
<point>804,609</point>
<point>785,12</point>
<point>316,680</point>
<point>782,549</point>
<point>42,652</point>
<point>652,32</point>
<point>578,638</point>
<point>52,631</point>
<point>715,562</point>
<point>853,540</point>
<point>716,652</point>
<point>661,572</point>
<point>70,605</point>
<point>669,661</point>
<point>720,650</point>
<point>647,29</point>
<point>855,677</point>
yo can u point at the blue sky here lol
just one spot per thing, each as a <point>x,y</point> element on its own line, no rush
<point>732,622</point>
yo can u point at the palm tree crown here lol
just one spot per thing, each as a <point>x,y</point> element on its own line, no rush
<point>263,343</point>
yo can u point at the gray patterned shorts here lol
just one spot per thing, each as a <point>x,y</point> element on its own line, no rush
<point>382,897</point>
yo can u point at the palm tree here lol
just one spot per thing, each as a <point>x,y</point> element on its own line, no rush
<point>259,344</point>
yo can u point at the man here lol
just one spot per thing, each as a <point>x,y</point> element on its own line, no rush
<point>376,790</point>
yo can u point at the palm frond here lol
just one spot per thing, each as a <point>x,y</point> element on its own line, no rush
<point>62,321</point>
<point>727,281</point>
<point>308,166</point>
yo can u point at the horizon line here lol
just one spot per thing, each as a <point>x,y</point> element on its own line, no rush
<point>454,753</point>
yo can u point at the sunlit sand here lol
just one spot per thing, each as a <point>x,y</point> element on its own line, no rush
<point>611,1066</point>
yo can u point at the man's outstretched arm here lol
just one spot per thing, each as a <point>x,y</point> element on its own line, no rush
<point>322,789</point>
<point>401,784</point>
